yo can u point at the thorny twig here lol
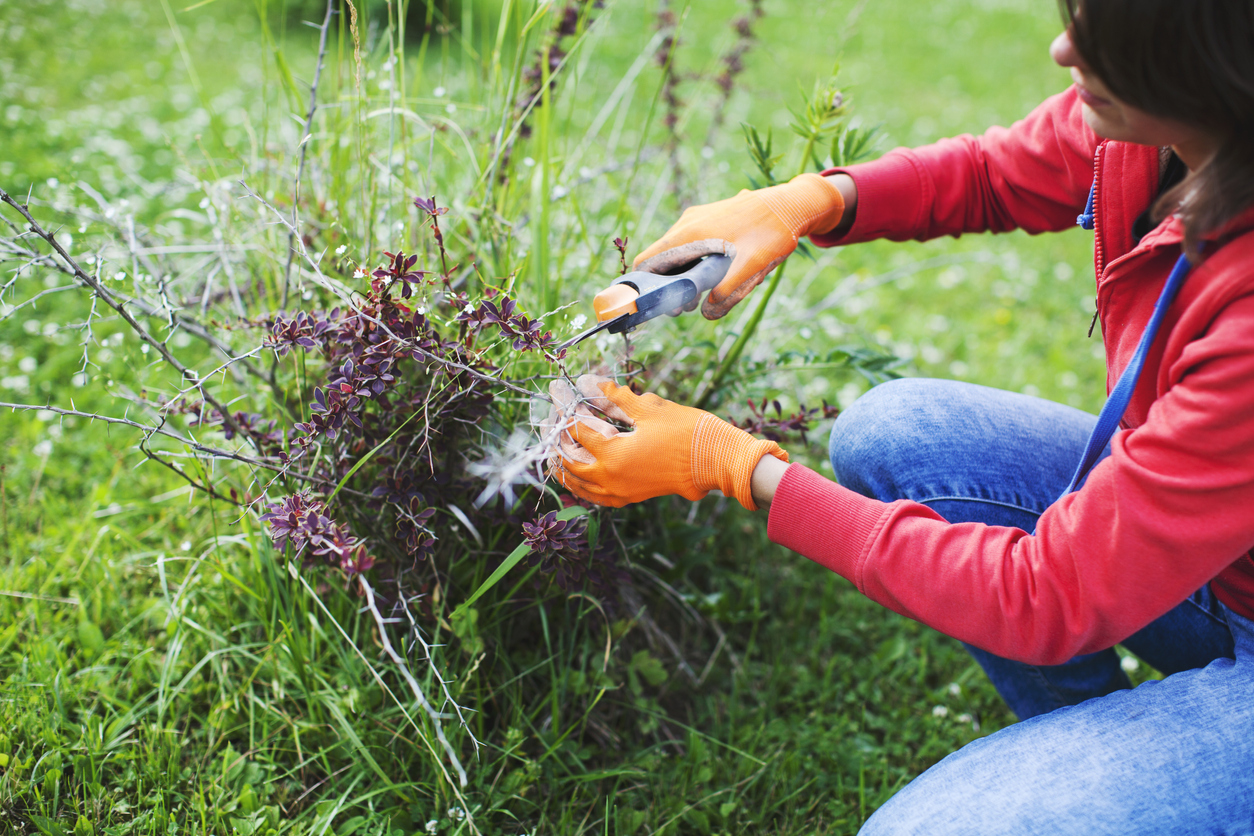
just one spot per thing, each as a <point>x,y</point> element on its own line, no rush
<point>419,695</point>
<point>415,633</point>
<point>109,299</point>
<point>304,144</point>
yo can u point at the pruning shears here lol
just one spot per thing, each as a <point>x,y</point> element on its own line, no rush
<point>637,297</point>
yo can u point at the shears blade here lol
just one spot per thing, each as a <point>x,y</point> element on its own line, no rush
<point>595,329</point>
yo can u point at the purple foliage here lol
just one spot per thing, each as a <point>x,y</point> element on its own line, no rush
<point>395,387</point>
<point>299,520</point>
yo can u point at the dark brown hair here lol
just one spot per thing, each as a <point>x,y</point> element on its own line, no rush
<point>1187,60</point>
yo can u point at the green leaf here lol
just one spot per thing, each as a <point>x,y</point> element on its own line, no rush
<point>648,667</point>
<point>90,637</point>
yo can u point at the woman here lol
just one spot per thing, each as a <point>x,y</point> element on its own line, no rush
<point>948,507</point>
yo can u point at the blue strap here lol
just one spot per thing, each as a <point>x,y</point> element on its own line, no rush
<point>1112,413</point>
<point>1085,220</point>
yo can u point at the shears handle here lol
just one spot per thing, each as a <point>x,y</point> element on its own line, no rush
<point>659,293</point>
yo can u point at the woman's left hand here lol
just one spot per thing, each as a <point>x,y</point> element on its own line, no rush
<point>672,449</point>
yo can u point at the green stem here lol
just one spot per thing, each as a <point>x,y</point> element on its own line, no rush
<point>752,325</point>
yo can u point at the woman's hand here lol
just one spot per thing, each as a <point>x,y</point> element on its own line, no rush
<point>759,229</point>
<point>671,449</point>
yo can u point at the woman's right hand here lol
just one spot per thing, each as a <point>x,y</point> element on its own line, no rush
<point>759,229</point>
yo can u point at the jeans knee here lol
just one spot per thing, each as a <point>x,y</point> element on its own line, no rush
<point>866,435</point>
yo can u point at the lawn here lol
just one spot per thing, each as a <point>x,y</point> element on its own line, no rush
<point>165,670</point>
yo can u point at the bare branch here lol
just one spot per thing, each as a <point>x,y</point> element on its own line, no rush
<point>399,661</point>
<point>109,299</point>
<point>304,145</point>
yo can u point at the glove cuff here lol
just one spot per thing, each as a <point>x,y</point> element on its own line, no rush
<point>806,204</point>
<point>725,456</point>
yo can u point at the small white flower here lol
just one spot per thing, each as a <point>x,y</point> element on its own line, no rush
<point>119,276</point>
<point>144,348</point>
<point>431,825</point>
<point>457,814</point>
<point>204,203</point>
<point>954,689</point>
<point>53,182</point>
<point>1129,664</point>
<point>186,545</point>
<point>359,273</point>
<point>528,162</point>
<point>940,711</point>
<point>577,322</point>
<point>470,308</point>
<point>43,449</point>
<point>421,310</point>
<point>341,249</point>
<point>963,718</point>
<point>438,92</point>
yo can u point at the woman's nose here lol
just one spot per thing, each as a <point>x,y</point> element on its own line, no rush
<point>1063,51</point>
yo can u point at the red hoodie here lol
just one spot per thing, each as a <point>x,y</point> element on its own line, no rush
<point>1171,509</point>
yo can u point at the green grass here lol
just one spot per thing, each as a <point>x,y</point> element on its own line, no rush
<point>162,671</point>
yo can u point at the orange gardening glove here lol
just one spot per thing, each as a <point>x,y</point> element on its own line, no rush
<point>673,449</point>
<point>759,229</point>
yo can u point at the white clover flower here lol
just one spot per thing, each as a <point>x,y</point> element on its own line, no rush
<point>940,711</point>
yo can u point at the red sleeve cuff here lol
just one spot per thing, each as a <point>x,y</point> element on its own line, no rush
<point>891,194</point>
<point>819,519</point>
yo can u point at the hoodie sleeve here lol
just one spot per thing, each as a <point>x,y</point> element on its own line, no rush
<point>1164,514</point>
<point>1034,175</point>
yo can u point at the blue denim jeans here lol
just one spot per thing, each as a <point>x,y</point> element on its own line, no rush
<point>1093,755</point>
